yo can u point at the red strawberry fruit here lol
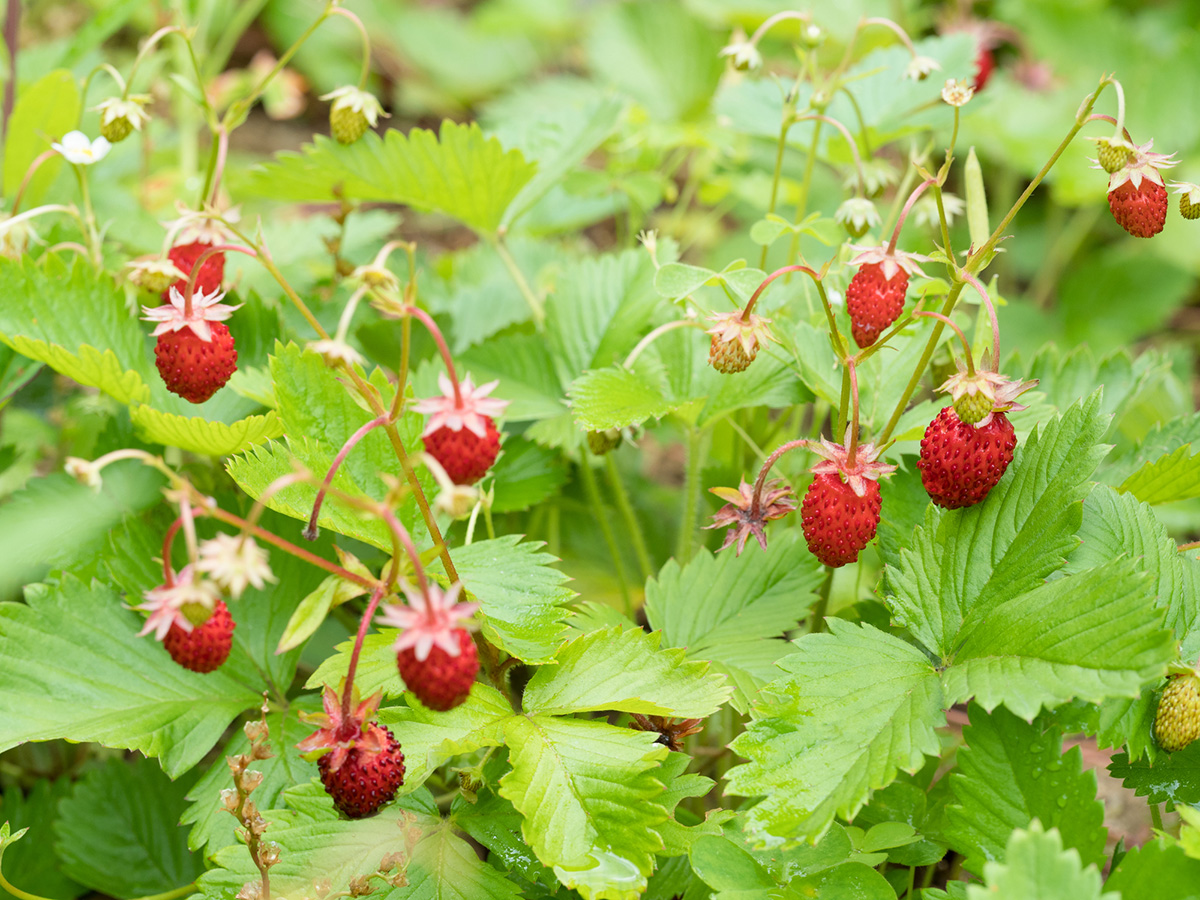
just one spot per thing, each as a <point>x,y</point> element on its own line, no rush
<point>195,354</point>
<point>875,296</point>
<point>436,656</point>
<point>461,432</point>
<point>361,764</point>
<point>969,445</point>
<point>1137,197</point>
<point>840,510</point>
<point>206,646</point>
<point>212,271</point>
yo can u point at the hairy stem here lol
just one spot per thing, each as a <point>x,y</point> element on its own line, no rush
<point>625,508</point>
<point>593,493</point>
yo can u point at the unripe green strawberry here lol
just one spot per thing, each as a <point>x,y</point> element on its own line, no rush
<point>347,124</point>
<point>729,357</point>
<point>116,130</point>
<point>1187,209</point>
<point>601,442</point>
<point>972,408</point>
<point>121,116</point>
<point>1177,722</point>
<point>736,339</point>
<point>1112,156</point>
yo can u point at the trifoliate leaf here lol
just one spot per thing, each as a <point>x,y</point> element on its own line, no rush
<point>1157,870</point>
<point>520,593</point>
<point>588,791</point>
<point>1011,773</point>
<point>734,610</point>
<point>196,434</point>
<point>624,670</point>
<point>1036,867</point>
<point>458,172</point>
<point>119,834</point>
<point>1089,636</point>
<point>966,561</point>
<point>74,668</point>
<point>855,706</point>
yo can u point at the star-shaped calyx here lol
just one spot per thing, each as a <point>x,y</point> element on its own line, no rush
<point>979,395</point>
<point>743,517</point>
<point>471,410</point>
<point>338,735</point>
<point>1142,163</point>
<point>835,460</point>
<point>431,618</point>
<point>175,316</point>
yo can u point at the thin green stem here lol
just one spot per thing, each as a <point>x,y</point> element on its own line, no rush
<point>844,404</point>
<point>1156,817</point>
<point>937,196</point>
<point>816,619</point>
<point>365,71</point>
<point>89,216</point>
<point>593,494</point>
<point>535,304</point>
<point>625,508</point>
<point>805,185</point>
<point>696,454</point>
<point>237,110</point>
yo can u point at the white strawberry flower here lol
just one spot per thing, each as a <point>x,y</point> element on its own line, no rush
<point>357,100</point>
<point>132,110</point>
<point>205,308</point>
<point>472,413</point>
<point>430,619</point>
<point>859,213</point>
<point>76,148</point>
<point>235,562</point>
<point>919,67</point>
<point>165,604</point>
<point>84,471</point>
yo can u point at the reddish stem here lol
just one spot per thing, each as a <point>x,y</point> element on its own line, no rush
<point>1101,117</point>
<point>168,540</point>
<point>368,614</point>
<point>776,274</point>
<point>219,168</point>
<point>756,501</point>
<point>402,535</point>
<point>912,198</point>
<point>310,531</point>
<point>33,167</point>
<point>962,337</point>
<point>192,278</point>
<point>852,450</point>
<point>431,326</point>
<point>983,295</point>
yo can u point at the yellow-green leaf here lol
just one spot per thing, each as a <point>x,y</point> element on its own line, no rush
<point>198,435</point>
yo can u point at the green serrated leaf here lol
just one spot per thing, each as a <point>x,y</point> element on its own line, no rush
<point>44,112</point>
<point>126,812</point>
<point>1011,773</point>
<point>75,669</point>
<point>855,706</point>
<point>615,398</point>
<point>1036,867</point>
<point>88,366</point>
<point>519,592</point>
<point>33,863</point>
<point>376,666</point>
<point>458,172</point>
<point>213,827</point>
<point>1172,477</point>
<point>624,669</point>
<point>196,434</point>
<point>1157,870</point>
<point>678,838</point>
<point>1089,636</point>
<point>525,475</point>
<point>1173,777</point>
<point>587,790</point>
<point>734,610</point>
<point>431,738</point>
<point>967,561</point>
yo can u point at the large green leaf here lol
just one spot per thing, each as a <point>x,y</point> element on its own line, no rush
<point>198,435</point>
<point>1157,870</point>
<point>32,863</point>
<point>118,832</point>
<point>1170,478</point>
<point>44,111</point>
<point>1011,773</point>
<point>624,669</point>
<point>734,610</point>
<point>970,560</point>
<point>212,826</point>
<point>589,795</point>
<point>678,837</point>
<point>1116,524</point>
<point>377,669</point>
<point>1036,867</point>
<point>1088,637</point>
<point>74,668</point>
<point>1173,777</point>
<point>430,738</point>
<point>458,172</point>
<point>853,708</point>
<point>613,397</point>
<point>520,594</point>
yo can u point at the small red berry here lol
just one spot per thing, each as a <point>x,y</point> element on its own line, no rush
<point>837,522</point>
<point>212,271</point>
<point>193,368</point>
<point>985,62</point>
<point>366,779</point>
<point>465,456</point>
<point>961,463</point>
<point>874,301</point>
<point>206,647</point>
<point>1137,196</point>
<point>441,681</point>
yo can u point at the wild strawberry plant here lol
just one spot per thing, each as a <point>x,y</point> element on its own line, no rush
<point>303,584</point>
